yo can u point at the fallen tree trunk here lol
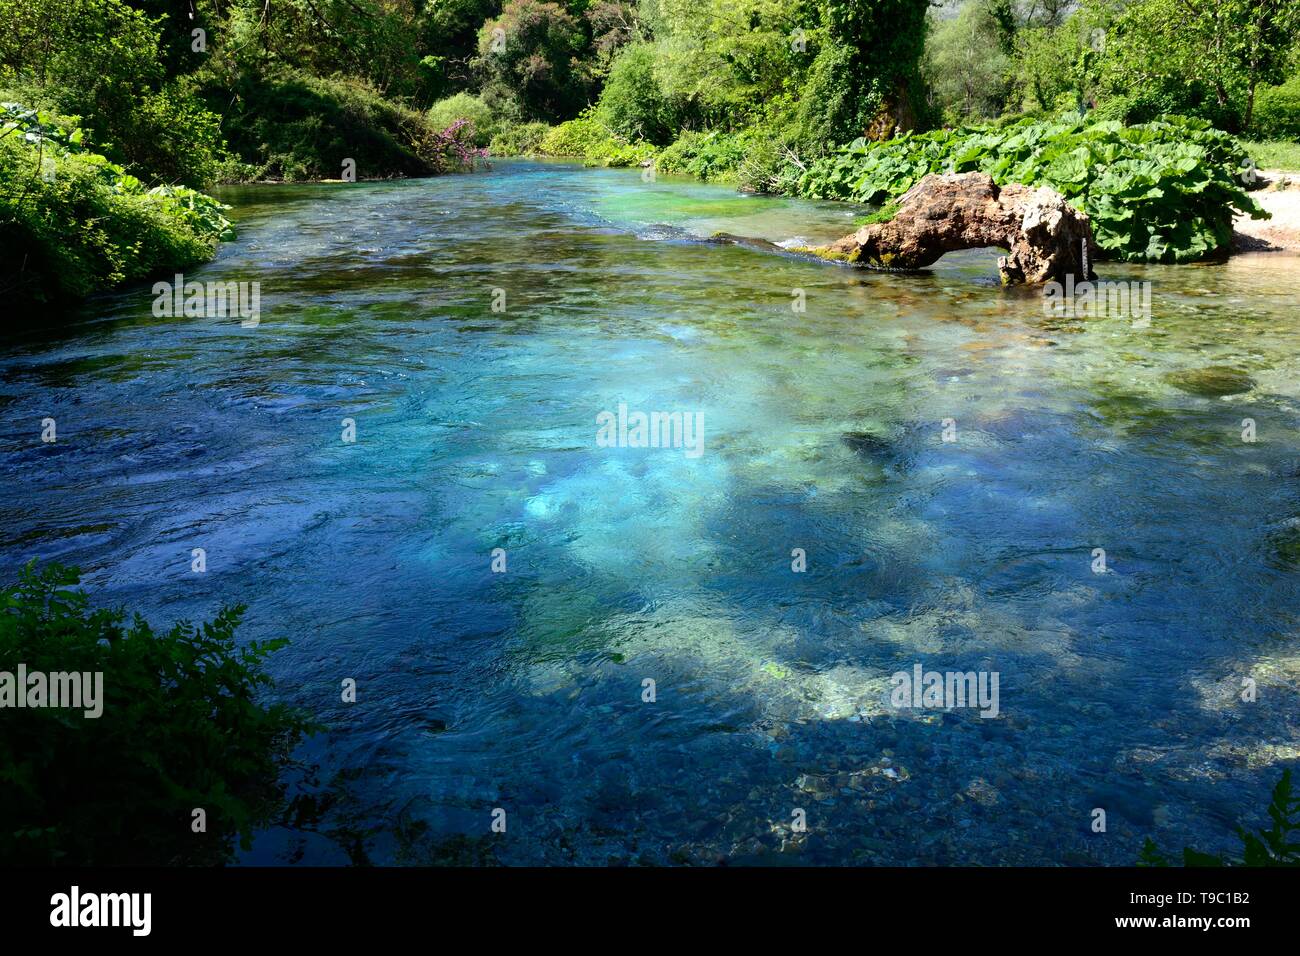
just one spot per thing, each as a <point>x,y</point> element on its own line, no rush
<point>1046,236</point>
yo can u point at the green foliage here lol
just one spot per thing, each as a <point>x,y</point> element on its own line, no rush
<point>521,139</point>
<point>719,63</point>
<point>173,138</point>
<point>371,40</point>
<point>633,103</point>
<point>1161,192</point>
<point>1057,66</point>
<point>586,138</point>
<point>1277,111</point>
<point>181,728</point>
<point>100,60</point>
<point>1279,845</point>
<point>200,213</point>
<point>966,65</point>
<point>715,155</point>
<point>41,127</point>
<point>294,126</point>
<point>828,112</point>
<point>1274,154</point>
<point>448,40</point>
<point>1198,57</point>
<point>464,106</point>
<point>73,223</point>
<point>1136,61</point>
<point>883,42</point>
<point>531,53</point>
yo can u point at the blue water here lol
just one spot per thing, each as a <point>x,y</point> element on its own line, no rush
<point>523,690</point>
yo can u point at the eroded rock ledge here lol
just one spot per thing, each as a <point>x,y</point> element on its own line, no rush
<point>1044,233</point>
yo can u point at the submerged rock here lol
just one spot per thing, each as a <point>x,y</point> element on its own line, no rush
<point>1213,382</point>
<point>868,444</point>
<point>749,242</point>
<point>1044,233</point>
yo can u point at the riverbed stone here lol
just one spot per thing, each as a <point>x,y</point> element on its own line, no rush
<point>1212,382</point>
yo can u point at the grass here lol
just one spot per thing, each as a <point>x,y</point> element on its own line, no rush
<point>1275,154</point>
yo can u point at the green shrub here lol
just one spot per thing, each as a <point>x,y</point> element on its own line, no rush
<point>965,67</point>
<point>588,139</point>
<point>464,106</point>
<point>72,223</point>
<point>758,158</point>
<point>540,59</point>
<point>181,728</point>
<point>769,165</point>
<point>521,139</point>
<point>633,103</point>
<point>173,139</point>
<point>1277,111</point>
<point>1165,191</point>
<point>714,155</point>
<point>101,60</point>
<point>294,126</point>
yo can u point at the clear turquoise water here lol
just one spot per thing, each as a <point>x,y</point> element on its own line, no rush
<point>522,690</point>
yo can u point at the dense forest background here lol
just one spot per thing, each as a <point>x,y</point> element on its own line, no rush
<point>133,107</point>
<point>196,91</point>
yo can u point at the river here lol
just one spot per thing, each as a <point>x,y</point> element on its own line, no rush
<point>823,430</point>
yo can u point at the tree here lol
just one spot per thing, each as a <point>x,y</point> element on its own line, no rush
<point>1172,48</point>
<point>532,52</point>
<point>1059,67</point>
<point>722,63</point>
<point>632,103</point>
<point>449,41</point>
<point>876,48</point>
<point>965,64</point>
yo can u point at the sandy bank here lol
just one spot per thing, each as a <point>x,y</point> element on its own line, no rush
<point>1281,197</point>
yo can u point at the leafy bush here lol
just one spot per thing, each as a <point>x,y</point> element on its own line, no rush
<point>716,63</point>
<point>1277,111</point>
<point>101,60</point>
<point>1279,845</point>
<point>521,139</point>
<point>173,139</point>
<point>1197,59</point>
<point>714,155</point>
<point>294,126</point>
<point>464,106</point>
<point>633,103</point>
<point>73,223</point>
<point>965,68</point>
<point>591,141</point>
<point>1164,191</point>
<point>180,728</point>
<point>532,51</point>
